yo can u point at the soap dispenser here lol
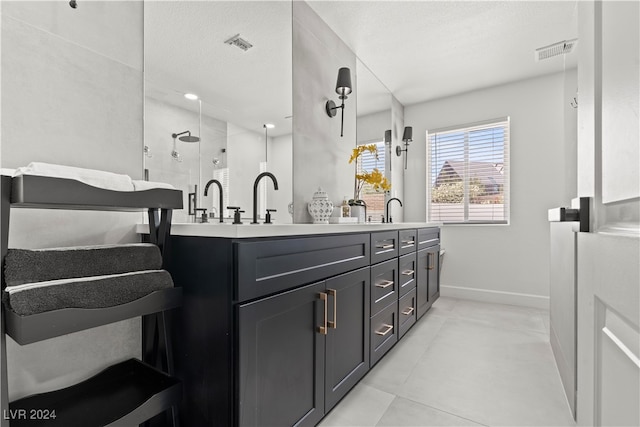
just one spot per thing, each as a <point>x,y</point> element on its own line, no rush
<point>346,209</point>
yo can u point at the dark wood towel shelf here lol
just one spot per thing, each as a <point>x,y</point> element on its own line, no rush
<point>127,393</point>
<point>42,326</point>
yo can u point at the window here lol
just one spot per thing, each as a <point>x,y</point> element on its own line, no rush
<point>469,173</point>
<point>374,199</point>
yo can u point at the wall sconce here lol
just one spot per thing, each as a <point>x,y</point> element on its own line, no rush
<point>343,88</point>
<point>407,137</point>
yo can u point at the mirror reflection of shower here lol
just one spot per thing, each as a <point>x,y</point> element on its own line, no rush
<point>184,137</point>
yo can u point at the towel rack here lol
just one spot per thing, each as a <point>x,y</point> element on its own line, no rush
<point>129,392</point>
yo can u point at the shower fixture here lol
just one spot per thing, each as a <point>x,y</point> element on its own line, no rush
<point>185,138</point>
<point>73,4</point>
<point>343,88</point>
<point>174,152</point>
<point>147,151</point>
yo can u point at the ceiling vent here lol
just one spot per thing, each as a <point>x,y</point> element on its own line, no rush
<point>239,42</point>
<point>560,48</point>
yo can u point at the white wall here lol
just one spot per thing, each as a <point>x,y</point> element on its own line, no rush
<point>280,164</point>
<point>503,263</point>
<point>71,94</point>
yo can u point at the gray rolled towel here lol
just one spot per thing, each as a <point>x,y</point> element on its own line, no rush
<point>89,292</point>
<point>38,265</point>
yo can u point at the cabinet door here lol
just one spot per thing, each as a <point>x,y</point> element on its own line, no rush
<point>347,341</point>
<point>281,358</point>
<point>422,281</point>
<point>434,273</point>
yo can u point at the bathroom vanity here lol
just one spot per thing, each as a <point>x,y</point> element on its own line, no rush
<point>279,322</point>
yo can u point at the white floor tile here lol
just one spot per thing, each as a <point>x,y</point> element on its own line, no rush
<point>463,363</point>
<point>363,406</point>
<point>404,412</point>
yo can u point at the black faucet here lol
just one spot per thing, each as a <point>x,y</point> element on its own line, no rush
<point>206,190</point>
<point>389,201</point>
<point>255,193</point>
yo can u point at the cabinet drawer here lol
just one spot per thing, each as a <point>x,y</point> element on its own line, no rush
<point>406,312</point>
<point>384,332</point>
<point>384,246</point>
<point>264,267</point>
<point>384,284</point>
<point>408,241</point>
<point>428,237</point>
<point>407,273</point>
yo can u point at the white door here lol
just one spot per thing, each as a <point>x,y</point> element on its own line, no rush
<point>608,257</point>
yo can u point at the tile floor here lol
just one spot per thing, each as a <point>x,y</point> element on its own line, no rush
<point>465,363</point>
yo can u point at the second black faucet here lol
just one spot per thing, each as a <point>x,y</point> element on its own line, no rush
<point>255,193</point>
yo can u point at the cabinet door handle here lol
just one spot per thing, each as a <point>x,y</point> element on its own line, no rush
<point>385,330</point>
<point>407,311</point>
<point>408,242</point>
<point>432,264</point>
<point>334,323</point>
<point>385,246</point>
<point>408,272</point>
<point>384,284</point>
<point>323,329</point>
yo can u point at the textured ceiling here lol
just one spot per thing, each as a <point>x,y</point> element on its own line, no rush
<point>419,50</point>
<point>425,50</point>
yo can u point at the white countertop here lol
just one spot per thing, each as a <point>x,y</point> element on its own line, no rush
<point>268,230</point>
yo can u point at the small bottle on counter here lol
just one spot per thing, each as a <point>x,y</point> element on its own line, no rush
<point>346,209</point>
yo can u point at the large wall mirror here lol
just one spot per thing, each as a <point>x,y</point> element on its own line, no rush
<point>236,57</point>
<point>373,127</point>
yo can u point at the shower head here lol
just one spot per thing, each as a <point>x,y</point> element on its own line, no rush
<point>185,138</point>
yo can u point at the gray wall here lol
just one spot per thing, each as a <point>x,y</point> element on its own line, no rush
<point>502,263</point>
<point>320,155</point>
<point>72,93</point>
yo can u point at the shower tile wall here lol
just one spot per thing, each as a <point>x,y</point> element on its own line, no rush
<point>72,94</point>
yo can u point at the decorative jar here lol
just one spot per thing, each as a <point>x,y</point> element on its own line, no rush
<point>320,207</point>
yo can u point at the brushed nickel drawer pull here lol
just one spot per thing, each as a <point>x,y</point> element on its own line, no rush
<point>385,246</point>
<point>384,284</point>
<point>323,329</point>
<point>432,264</point>
<point>407,311</point>
<point>409,242</point>
<point>334,323</point>
<point>408,272</point>
<point>388,328</point>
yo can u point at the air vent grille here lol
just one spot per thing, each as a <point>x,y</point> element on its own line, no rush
<point>239,42</point>
<point>560,48</point>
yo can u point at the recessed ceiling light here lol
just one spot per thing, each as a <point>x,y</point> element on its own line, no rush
<point>191,96</point>
<point>269,125</point>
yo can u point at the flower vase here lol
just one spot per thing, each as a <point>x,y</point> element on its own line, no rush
<point>320,207</point>
<point>358,211</point>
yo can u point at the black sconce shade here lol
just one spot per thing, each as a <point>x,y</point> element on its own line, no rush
<point>343,85</point>
<point>407,136</point>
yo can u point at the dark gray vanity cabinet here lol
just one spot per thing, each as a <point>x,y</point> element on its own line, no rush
<point>275,331</point>
<point>428,265</point>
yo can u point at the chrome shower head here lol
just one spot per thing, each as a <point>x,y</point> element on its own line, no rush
<point>186,138</point>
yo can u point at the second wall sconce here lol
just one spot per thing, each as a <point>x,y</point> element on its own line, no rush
<point>407,137</point>
<point>343,88</point>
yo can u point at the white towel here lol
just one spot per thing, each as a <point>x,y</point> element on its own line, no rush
<point>147,185</point>
<point>96,178</point>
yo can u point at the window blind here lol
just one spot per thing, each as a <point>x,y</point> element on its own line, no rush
<point>367,162</point>
<point>469,173</point>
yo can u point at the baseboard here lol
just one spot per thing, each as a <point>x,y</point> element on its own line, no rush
<point>500,297</point>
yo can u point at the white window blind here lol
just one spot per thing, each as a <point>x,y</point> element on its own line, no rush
<point>374,199</point>
<point>469,173</point>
